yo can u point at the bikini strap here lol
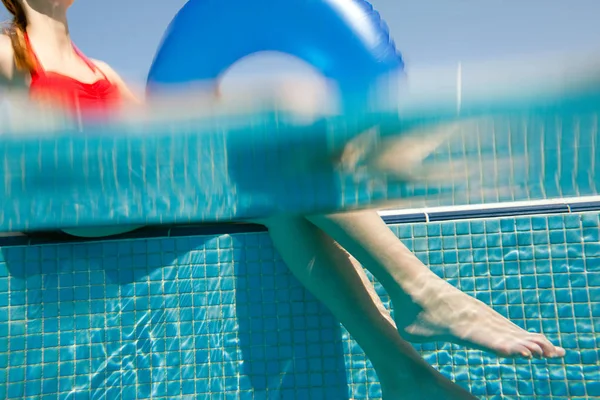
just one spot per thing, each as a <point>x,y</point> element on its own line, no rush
<point>89,62</point>
<point>38,69</point>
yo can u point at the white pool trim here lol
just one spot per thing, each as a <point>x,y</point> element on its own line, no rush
<point>490,206</point>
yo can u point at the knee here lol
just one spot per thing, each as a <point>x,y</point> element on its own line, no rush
<point>342,217</point>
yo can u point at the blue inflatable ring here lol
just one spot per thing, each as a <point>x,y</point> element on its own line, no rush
<point>345,40</point>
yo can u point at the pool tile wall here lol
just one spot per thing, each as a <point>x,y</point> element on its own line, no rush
<point>220,316</point>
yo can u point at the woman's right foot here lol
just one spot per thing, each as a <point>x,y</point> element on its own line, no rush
<point>431,309</point>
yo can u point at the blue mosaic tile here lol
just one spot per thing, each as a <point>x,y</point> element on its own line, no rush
<point>221,317</point>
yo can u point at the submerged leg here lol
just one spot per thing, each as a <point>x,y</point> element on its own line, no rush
<point>337,280</point>
<point>427,308</point>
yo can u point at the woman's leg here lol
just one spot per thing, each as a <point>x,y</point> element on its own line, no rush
<point>425,306</point>
<point>337,280</point>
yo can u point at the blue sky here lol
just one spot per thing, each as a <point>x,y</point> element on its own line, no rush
<point>126,33</point>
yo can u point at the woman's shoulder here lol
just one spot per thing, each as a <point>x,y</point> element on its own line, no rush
<point>5,45</point>
<point>7,64</point>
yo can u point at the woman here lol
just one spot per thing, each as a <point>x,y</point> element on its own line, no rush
<point>37,54</point>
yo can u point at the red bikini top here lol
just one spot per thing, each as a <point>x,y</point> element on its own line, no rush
<point>80,98</point>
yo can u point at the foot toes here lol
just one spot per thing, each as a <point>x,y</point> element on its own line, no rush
<point>510,348</point>
<point>549,350</point>
<point>522,351</point>
<point>535,349</point>
<point>560,352</point>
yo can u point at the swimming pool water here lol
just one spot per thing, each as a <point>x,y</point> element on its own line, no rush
<point>220,317</point>
<point>241,168</point>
